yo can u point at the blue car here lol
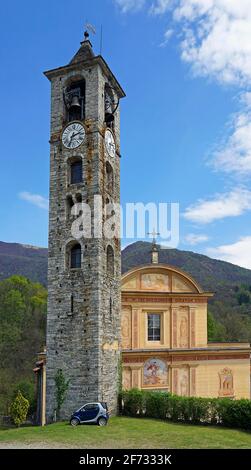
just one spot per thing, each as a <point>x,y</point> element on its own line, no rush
<point>91,413</point>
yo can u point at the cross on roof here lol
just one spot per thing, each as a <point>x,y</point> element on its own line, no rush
<point>154,235</point>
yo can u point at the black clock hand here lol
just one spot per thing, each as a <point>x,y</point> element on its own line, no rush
<point>74,135</point>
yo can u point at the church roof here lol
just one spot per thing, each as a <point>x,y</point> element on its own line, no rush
<point>182,279</point>
<point>85,52</point>
<point>86,57</point>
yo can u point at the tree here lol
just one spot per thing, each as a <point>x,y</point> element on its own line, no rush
<point>215,329</point>
<point>211,327</point>
<point>62,386</point>
<point>22,328</point>
<point>243,298</point>
<point>19,409</point>
<point>27,389</point>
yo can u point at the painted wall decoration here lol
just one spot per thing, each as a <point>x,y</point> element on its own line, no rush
<point>130,284</point>
<point>226,383</point>
<point>126,330</point>
<point>183,328</point>
<point>179,285</point>
<point>155,373</point>
<point>155,281</point>
<point>127,379</point>
<point>183,382</point>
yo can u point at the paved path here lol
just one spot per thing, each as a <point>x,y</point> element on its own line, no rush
<point>34,445</point>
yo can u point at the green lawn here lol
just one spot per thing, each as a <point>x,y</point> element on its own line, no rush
<point>127,433</point>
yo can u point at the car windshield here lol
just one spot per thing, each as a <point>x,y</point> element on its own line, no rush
<point>91,406</point>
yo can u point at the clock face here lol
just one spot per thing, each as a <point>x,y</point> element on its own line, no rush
<point>110,143</point>
<point>73,135</point>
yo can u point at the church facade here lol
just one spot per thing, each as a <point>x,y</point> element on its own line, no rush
<point>164,338</point>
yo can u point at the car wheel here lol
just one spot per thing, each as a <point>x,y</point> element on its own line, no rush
<point>102,422</point>
<point>74,422</point>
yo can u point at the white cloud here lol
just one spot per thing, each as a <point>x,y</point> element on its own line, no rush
<point>130,5</point>
<point>217,38</point>
<point>159,7</point>
<point>230,204</point>
<point>245,99</point>
<point>237,253</point>
<point>216,34</point>
<point>168,34</point>
<point>195,239</point>
<point>234,154</point>
<point>35,199</point>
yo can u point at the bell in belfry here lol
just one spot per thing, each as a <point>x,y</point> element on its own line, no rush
<point>109,117</point>
<point>75,102</point>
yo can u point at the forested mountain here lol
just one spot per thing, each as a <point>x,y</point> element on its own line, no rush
<point>27,261</point>
<point>23,303</point>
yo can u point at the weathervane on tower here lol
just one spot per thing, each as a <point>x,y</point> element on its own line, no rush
<point>89,28</point>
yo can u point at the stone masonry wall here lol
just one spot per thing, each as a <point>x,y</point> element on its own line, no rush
<point>83,343</point>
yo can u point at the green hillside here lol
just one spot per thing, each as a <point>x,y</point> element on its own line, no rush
<point>27,261</point>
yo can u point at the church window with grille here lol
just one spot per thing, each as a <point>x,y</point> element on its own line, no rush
<point>153,327</point>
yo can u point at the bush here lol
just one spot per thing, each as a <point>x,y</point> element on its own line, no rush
<point>62,386</point>
<point>19,409</point>
<point>234,413</point>
<point>155,404</point>
<point>194,410</point>
<point>133,402</point>
<point>27,389</point>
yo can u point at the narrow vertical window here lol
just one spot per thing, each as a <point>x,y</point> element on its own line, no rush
<point>110,308</point>
<point>153,327</point>
<point>76,257</point>
<point>69,206</point>
<point>110,261</point>
<point>76,172</point>
<point>109,178</point>
<point>72,303</point>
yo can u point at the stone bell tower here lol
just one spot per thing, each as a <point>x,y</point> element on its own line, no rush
<point>83,327</point>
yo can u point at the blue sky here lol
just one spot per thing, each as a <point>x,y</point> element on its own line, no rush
<point>185,124</point>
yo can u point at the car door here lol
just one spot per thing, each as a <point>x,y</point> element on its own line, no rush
<point>89,412</point>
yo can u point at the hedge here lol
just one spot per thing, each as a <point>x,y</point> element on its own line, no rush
<point>194,410</point>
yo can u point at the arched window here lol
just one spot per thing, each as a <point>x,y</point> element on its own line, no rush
<point>109,177</point>
<point>75,257</point>
<point>76,171</point>
<point>109,107</point>
<point>110,261</point>
<point>74,98</point>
